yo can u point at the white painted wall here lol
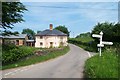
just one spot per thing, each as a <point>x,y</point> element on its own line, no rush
<point>47,39</point>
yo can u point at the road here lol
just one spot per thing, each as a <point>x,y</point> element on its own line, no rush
<point>70,65</point>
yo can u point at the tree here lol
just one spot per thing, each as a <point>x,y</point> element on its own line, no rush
<point>116,32</point>
<point>62,29</point>
<point>9,33</point>
<point>16,32</point>
<point>38,31</point>
<point>111,31</point>
<point>105,27</point>
<point>12,12</point>
<point>29,32</point>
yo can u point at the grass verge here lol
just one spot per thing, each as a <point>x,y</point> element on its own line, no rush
<point>36,59</point>
<point>105,66</point>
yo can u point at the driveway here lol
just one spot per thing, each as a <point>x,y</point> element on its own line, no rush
<point>70,65</point>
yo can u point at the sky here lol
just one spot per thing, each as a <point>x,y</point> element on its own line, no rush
<point>78,17</point>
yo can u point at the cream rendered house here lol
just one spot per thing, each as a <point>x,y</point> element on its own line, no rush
<point>50,38</point>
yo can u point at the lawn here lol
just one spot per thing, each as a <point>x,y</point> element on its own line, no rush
<point>33,59</point>
<point>105,66</point>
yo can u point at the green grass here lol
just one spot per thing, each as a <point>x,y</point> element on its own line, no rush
<point>84,39</point>
<point>36,59</point>
<point>105,66</point>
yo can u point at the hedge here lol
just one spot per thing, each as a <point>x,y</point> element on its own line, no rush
<point>89,46</point>
<point>12,53</point>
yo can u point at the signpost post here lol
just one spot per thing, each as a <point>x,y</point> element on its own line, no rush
<point>101,42</point>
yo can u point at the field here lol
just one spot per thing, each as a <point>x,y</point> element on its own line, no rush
<point>84,39</point>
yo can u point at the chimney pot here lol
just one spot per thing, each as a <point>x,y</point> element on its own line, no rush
<point>51,26</point>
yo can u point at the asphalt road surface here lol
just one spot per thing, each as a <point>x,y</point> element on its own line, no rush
<point>70,65</point>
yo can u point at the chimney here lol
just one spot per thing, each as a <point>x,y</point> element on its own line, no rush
<point>51,26</point>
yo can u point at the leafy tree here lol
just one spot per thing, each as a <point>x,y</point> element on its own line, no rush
<point>7,32</point>
<point>12,12</point>
<point>62,29</point>
<point>116,29</point>
<point>116,33</point>
<point>29,32</point>
<point>111,31</point>
<point>16,32</point>
<point>38,31</point>
<point>106,28</point>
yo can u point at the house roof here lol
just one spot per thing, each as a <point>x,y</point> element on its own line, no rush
<point>1,36</point>
<point>30,40</point>
<point>53,32</point>
<point>16,36</point>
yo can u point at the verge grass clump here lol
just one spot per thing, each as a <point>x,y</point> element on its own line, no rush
<point>105,66</point>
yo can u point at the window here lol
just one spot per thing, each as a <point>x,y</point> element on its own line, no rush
<point>41,37</point>
<point>61,37</point>
<point>41,43</point>
<point>17,42</point>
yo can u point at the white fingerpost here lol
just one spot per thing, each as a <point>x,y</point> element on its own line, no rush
<point>101,42</point>
<point>101,35</point>
<point>100,51</point>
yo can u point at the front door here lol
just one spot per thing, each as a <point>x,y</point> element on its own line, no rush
<point>51,44</point>
<point>17,42</point>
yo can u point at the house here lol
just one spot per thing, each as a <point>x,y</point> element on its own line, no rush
<point>1,39</point>
<point>18,39</point>
<point>50,38</point>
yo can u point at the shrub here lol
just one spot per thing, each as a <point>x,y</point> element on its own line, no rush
<point>7,47</point>
<point>12,53</point>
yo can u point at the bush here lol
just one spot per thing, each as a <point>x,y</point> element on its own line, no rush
<point>6,47</point>
<point>12,53</point>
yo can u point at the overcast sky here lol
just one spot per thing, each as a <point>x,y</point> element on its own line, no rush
<point>78,17</point>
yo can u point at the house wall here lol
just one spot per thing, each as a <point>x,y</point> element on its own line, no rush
<point>14,41</point>
<point>55,40</point>
<point>21,42</point>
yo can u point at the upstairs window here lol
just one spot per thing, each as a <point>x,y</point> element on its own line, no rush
<point>61,37</point>
<point>41,37</point>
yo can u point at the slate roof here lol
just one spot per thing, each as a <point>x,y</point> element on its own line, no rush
<point>53,32</point>
<point>30,40</point>
<point>1,36</point>
<point>18,36</point>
